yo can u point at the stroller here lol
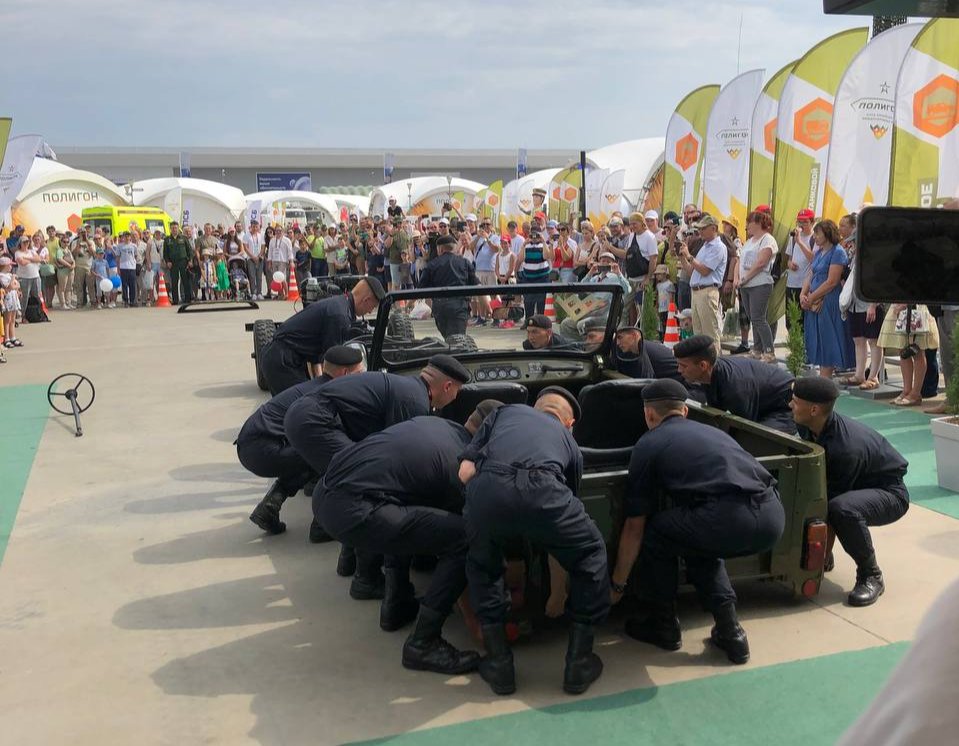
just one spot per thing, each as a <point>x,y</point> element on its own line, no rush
<point>239,282</point>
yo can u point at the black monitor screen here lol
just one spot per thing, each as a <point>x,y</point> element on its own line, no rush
<point>908,255</point>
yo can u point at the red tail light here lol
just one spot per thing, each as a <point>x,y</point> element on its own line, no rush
<point>814,551</point>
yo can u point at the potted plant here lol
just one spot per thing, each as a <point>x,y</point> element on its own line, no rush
<point>945,430</point>
<point>795,340</point>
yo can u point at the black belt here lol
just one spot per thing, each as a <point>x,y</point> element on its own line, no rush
<point>518,470</point>
<point>703,287</point>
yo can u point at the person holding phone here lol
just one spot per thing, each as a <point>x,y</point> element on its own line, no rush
<point>799,255</point>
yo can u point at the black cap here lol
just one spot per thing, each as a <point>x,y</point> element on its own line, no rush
<point>486,407</point>
<point>698,345</point>
<point>376,287</point>
<point>343,355</point>
<point>539,321</point>
<point>816,390</point>
<point>450,366</point>
<point>665,389</point>
<point>570,399</point>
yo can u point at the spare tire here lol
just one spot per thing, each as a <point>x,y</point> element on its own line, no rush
<point>400,326</point>
<point>462,342</point>
<point>263,331</point>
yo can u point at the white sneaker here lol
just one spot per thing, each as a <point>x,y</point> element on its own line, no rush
<point>113,305</point>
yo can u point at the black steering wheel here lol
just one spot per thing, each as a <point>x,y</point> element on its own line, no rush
<point>75,386</point>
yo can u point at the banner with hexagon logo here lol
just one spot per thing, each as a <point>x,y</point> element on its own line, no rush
<point>684,148</point>
<point>762,149</point>
<point>925,142</point>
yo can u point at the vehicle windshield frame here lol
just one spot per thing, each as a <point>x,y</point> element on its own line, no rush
<point>377,361</point>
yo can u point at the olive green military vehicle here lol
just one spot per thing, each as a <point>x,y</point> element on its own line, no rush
<point>502,367</point>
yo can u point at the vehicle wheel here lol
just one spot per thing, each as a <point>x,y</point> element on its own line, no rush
<point>263,331</point>
<point>400,326</point>
<point>462,342</point>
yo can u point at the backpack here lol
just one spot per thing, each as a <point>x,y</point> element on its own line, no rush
<point>636,264</point>
<point>34,313</point>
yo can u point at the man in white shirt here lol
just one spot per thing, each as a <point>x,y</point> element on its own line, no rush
<point>515,240</point>
<point>252,242</point>
<point>280,255</point>
<point>799,252</point>
<point>127,264</point>
<point>642,254</point>
<point>28,260</point>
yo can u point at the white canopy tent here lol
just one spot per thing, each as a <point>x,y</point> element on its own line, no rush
<point>55,194</point>
<point>641,159</point>
<point>423,195</point>
<point>272,204</point>
<point>193,201</point>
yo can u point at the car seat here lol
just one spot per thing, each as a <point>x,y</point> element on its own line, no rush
<point>612,414</point>
<point>472,394</point>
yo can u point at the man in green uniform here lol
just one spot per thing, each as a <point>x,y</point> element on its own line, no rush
<point>176,255</point>
<point>398,244</point>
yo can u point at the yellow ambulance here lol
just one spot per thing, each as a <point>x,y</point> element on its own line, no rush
<point>118,219</point>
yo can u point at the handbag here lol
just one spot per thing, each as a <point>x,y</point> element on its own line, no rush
<point>47,270</point>
<point>918,323</point>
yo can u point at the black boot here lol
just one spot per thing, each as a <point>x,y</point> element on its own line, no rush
<point>426,650</point>
<point>583,666</point>
<point>660,628</point>
<point>317,534</point>
<point>346,562</point>
<point>829,564</point>
<point>496,667</point>
<point>266,514</point>
<point>729,636</point>
<point>368,585</point>
<point>869,584</point>
<point>399,606</point>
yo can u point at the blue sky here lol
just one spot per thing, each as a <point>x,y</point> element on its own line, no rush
<point>420,73</point>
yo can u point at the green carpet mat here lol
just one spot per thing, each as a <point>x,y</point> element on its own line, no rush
<point>24,412</point>
<point>804,702</point>
<point>908,430</point>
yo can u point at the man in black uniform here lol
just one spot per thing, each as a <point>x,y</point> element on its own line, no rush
<point>380,495</point>
<point>304,337</point>
<point>350,409</point>
<point>636,357</point>
<point>521,472</point>
<point>864,480</point>
<point>262,446</point>
<point>540,335</point>
<point>445,271</point>
<point>724,504</point>
<point>747,388</point>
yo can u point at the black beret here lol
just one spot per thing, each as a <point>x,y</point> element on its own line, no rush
<point>628,328</point>
<point>665,389</point>
<point>450,366</point>
<point>445,241</point>
<point>343,355</point>
<point>486,407</point>
<point>570,399</point>
<point>696,345</point>
<point>376,287</point>
<point>816,390</point>
<point>539,321</point>
<point>594,324</point>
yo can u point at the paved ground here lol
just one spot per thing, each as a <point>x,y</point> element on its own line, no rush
<point>138,604</point>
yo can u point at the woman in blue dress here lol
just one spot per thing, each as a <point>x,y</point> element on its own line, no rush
<point>828,345</point>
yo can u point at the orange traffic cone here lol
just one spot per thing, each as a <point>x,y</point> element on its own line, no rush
<point>163,300</point>
<point>671,337</point>
<point>43,306</point>
<point>293,294</point>
<point>548,310</point>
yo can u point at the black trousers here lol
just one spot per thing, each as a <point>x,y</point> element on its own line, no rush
<point>704,534</point>
<point>282,367</point>
<point>273,458</point>
<point>180,289</point>
<point>450,315</point>
<point>503,502</point>
<point>851,513</point>
<point>316,432</point>
<point>380,525</point>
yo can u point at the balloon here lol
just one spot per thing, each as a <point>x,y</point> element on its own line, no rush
<point>279,277</point>
<point>276,287</point>
<point>115,282</point>
<point>106,286</point>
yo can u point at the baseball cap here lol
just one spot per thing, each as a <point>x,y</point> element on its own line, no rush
<point>652,215</point>
<point>610,254</point>
<point>615,221</point>
<point>806,214</point>
<point>733,221</point>
<point>763,208</point>
<point>471,217</point>
<point>705,221</point>
<point>552,224</point>
<point>444,221</point>
<point>540,216</point>
<point>539,321</point>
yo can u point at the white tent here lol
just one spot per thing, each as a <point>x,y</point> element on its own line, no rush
<point>354,203</point>
<point>194,201</point>
<point>423,195</point>
<point>55,194</point>
<point>641,159</point>
<point>272,204</point>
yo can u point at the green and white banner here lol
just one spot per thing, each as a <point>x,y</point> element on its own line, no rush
<point>925,145</point>
<point>684,148</point>
<point>762,151</point>
<point>858,170</point>
<point>726,164</point>
<point>804,128</point>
